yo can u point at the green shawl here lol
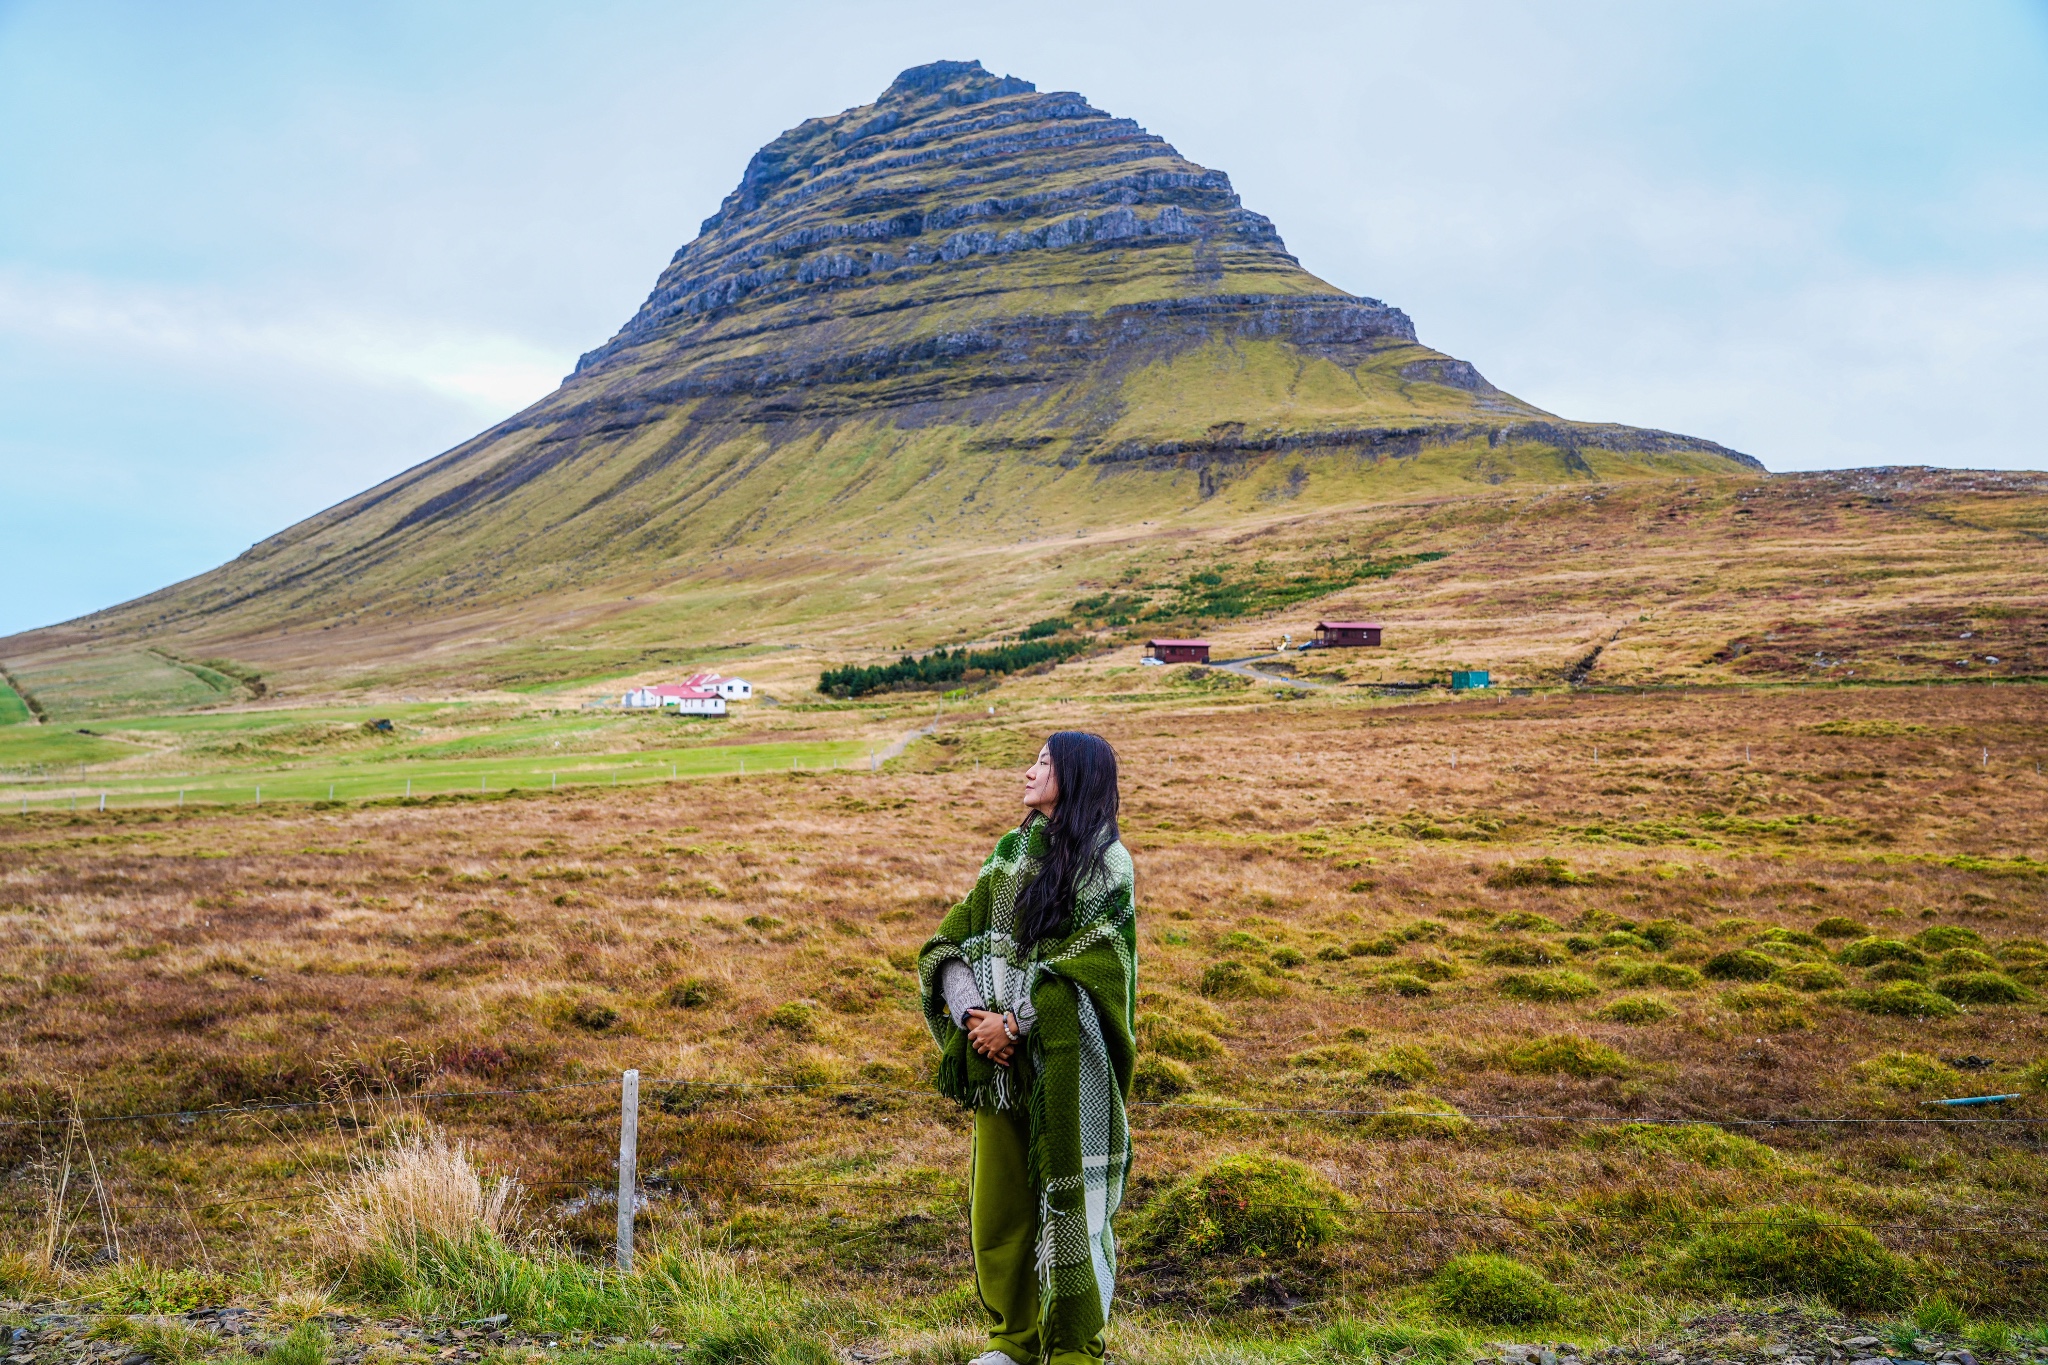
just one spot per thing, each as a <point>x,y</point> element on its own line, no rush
<point>1071,1077</point>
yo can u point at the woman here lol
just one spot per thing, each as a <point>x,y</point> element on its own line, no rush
<point>1029,987</point>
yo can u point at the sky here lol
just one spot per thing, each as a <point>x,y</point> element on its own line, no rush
<point>257,257</point>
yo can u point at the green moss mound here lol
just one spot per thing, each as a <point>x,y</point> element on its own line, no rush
<point>1526,922</point>
<point>1700,1143</point>
<point>1488,1288</point>
<point>1181,1041</point>
<point>1907,999</point>
<point>1937,938</point>
<point>1160,1078</point>
<point>1565,1054</point>
<point>1418,1116</point>
<point>1906,1071</point>
<point>1982,988</point>
<point>1753,999</point>
<point>1235,981</point>
<point>1635,1009</point>
<point>1537,872</point>
<point>1841,926</point>
<point>1244,1205</point>
<point>1522,953</point>
<point>1791,938</point>
<point>1740,964</point>
<point>1813,976</point>
<point>1672,976</point>
<point>1966,960</point>
<point>1547,987</point>
<point>1897,971</point>
<point>1665,933</point>
<point>1797,1250</point>
<point>1868,952</point>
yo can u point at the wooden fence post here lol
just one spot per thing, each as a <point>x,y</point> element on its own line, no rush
<point>629,1165</point>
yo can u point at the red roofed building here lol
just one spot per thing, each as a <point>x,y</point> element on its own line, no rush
<point>1178,651</point>
<point>1346,634</point>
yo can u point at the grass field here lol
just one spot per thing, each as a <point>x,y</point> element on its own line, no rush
<point>1399,923</point>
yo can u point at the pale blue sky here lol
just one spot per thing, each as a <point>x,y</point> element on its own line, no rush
<point>256,257</point>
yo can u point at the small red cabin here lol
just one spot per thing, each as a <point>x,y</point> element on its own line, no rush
<point>1178,651</point>
<point>1346,634</point>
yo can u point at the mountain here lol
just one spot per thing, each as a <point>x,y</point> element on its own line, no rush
<point>970,312</point>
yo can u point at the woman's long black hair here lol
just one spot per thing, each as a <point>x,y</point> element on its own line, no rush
<point>1081,831</point>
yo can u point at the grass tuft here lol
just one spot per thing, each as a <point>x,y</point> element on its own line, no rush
<point>1796,1250</point>
<point>1487,1288</point>
<point>1249,1204</point>
<point>1636,1009</point>
<point>1565,1054</point>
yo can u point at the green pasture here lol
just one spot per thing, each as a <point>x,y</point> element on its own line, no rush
<point>395,778</point>
<point>125,682</point>
<point>13,710</point>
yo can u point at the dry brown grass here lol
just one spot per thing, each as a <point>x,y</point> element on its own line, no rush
<point>420,1189</point>
<point>535,940</point>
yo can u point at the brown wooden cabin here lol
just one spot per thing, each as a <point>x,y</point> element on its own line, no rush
<point>1178,651</point>
<point>1346,634</point>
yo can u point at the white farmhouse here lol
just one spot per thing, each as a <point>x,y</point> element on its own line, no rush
<point>691,701</point>
<point>732,689</point>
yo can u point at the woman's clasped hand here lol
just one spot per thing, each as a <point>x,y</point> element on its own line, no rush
<point>993,1035</point>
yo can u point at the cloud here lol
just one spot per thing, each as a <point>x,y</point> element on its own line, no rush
<point>491,373</point>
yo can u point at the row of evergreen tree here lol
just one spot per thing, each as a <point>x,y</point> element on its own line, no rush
<point>943,667</point>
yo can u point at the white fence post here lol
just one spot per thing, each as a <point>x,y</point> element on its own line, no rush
<point>629,1165</point>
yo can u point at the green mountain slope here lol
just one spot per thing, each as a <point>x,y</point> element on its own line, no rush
<point>969,313</point>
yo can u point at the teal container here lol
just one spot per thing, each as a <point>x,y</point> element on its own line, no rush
<point>1466,679</point>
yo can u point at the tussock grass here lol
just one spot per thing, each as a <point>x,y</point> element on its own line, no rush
<point>419,1194</point>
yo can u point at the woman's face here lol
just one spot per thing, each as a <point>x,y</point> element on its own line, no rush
<point>1041,788</point>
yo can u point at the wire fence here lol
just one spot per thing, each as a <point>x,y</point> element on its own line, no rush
<point>632,1194</point>
<point>686,1083</point>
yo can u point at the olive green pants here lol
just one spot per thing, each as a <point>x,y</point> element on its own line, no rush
<point>1002,1219</point>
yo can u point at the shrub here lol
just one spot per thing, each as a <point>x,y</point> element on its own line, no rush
<point>1248,1204</point>
<point>691,993</point>
<point>1740,964</point>
<point>1841,926</point>
<point>1907,998</point>
<point>1235,981</point>
<point>1813,976</point>
<point>1982,988</point>
<point>1966,960</point>
<point>1417,1116</point>
<point>1287,957</point>
<point>1539,872</point>
<point>1521,953</point>
<point>1905,1071</point>
<point>1673,976</point>
<point>1160,1078</point>
<point>1546,987</point>
<point>1937,938</point>
<point>1566,1054</point>
<point>1868,952</point>
<point>1482,1287</point>
<point>1525,922</point>
<point>1795,1250</point>
<point>1171,1038</point>
<point>1700,1143</point>
<point>1635,1009</point>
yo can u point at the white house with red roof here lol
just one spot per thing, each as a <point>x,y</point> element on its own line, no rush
<point>732,689</point>
<point>688,700</point>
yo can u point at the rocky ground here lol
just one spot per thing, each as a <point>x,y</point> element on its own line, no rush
<point>46,1335</point>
